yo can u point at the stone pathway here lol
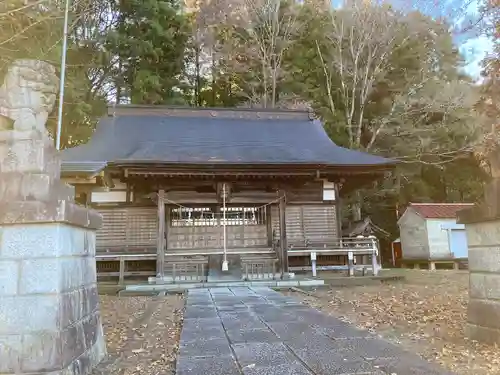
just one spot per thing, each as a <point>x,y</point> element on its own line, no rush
<point>258,331</point>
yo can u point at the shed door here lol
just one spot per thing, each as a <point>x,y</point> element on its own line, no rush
<point>458,243</point>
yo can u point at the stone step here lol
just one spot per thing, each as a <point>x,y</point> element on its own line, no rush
<point>215,272</point>
<point>189,267</point>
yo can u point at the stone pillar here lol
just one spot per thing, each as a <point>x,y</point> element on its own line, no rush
<point>482,225</point>
<point>483,315</point>
<point>49,305</point>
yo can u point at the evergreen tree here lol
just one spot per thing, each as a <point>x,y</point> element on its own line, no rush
<point>150,40</point>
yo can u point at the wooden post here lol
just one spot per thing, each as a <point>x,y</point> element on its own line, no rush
<point>338,212</point>
<point>218,224</point>
<point>283,242</point>
<point>160,250</point>
<point>313,263</point>
<point>350,263</point>
<point>393,255</point>
<point>376,251</point>
<point>128,193</point>
<point>168,220</point>
<point>88,198</point>
<point>121,277</point>
<point>269,226</point>
<point>374,263</point>
<point>302,225</point>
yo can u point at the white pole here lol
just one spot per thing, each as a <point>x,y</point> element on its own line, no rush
<point>225,266</point>
<point>63,76</point>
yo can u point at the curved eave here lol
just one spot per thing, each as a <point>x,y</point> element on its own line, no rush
<point>89,169</point>
<point>257,164</point>
<point>93,168</point>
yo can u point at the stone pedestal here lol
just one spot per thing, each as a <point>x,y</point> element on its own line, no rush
<point>482,225</point>
<point>49,305</point>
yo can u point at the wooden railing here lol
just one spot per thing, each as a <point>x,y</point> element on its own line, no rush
<point>123,270</point>
<point>361,255</point>
<point>188,270</point>
<point>264,269</point>
<point>360,248</point>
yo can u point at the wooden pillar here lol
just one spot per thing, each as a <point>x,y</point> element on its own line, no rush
<point>128,193</point>
<point>168,219</point>
<point>283,242</point>
<point>160,250</point>
<point>338,211</point>
<point>88,198</point>
<point>350,264</point>
<point>220,234</point>
<point>374,263</point>
<point>269,226</point>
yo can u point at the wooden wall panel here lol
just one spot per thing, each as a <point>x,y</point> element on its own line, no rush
<point>123,228</point>
<point>211,237</point>
<point>307,221</point>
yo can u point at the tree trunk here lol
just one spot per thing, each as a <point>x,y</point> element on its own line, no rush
<point>118,84</point>
<point>273,99</point>
<point>197,93</point>
<point>264,82</point>
<point>356,206</point>
<point>214,96</point>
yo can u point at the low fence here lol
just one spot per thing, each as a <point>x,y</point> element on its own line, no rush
<point>118,265</point>
<point>361,253</point>
<point>192,265</point>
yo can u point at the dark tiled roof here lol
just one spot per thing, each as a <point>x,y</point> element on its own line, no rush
<point>439,210</point>
<point>186,138</point>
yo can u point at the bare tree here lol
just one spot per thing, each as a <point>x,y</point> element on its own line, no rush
<point>245,41</point>
<point>489,106</point>
<point>273,26</point>
<point>422,106</point>
<point>209,20</point>
<point>360,41</point>
<point>359,54</point>
<point>262,32</point>
<point>35,26</point>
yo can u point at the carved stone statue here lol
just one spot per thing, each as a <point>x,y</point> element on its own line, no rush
<point>28,95</point>
<point>41,225</point>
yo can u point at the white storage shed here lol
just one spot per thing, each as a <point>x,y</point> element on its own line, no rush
<point>430,234</point>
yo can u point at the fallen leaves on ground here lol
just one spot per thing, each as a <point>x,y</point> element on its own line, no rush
<point>426,313</point>
<point>142,334</point>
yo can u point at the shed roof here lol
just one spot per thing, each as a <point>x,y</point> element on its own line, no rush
<point>160,135</point>
<point>439,210</point>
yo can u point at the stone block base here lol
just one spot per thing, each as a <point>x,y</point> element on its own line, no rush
<point>483,313</point>
<point>47,353</point>
<point>49,305</point>
<point>483,334</point>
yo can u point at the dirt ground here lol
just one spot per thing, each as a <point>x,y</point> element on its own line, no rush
<point>426,314</point>
<point>142,334</point>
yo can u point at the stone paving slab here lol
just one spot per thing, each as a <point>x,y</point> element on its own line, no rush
<point>224,365</point>
<point>193,333</point>
<point>256,335</point>
<point>258,331</point>
<point>201,348</point>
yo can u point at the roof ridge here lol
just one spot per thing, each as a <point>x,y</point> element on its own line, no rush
<point>229,109</point>
<point>211,112</point>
